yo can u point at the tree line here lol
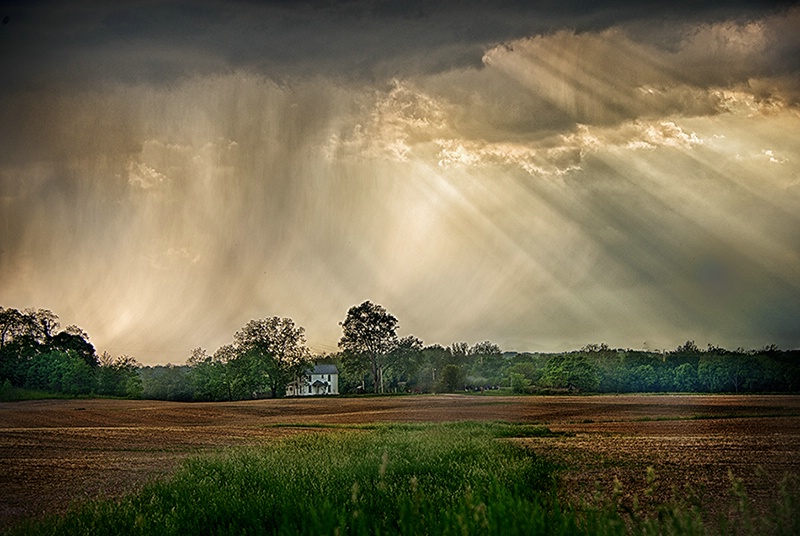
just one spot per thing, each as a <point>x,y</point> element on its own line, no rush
<point>36,354</point>
<point>265,355</point>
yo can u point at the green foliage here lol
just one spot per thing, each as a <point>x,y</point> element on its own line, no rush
<point>270,352</point>
<point>267,354</point>
<point>168,382</point>
<point>403,362</point>
<point>598,368</point>
<point>119,377</point>
<point>58,371</point>
<point>209,377</point>
<point>75,342</point>
<point>453,379</point>
<point>528,374</point>
<point>519,383</point>
<point>487,365</point>
<point>644,378</point>
<point>685,378</point>
<point>574,372</point>
<point>9,393</point>
<point>369,334</point>
<point>36,356</point>
<point>689,369</point>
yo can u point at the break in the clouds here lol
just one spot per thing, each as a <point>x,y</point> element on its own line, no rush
<point>539,177</point>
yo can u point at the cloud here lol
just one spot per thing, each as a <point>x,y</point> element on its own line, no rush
<point>82,43</point>
<point>773,158</point>
<point>530,176</point>
<point>566,155</point>
<point>663,134</point>
<point>541,102</point>
<point>142,176</point>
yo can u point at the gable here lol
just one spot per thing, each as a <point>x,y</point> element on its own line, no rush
<point>325,369</point>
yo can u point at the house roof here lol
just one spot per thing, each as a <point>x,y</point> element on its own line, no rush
<point>325,369</point>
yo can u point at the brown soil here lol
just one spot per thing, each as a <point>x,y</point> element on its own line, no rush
<point>56,452</point>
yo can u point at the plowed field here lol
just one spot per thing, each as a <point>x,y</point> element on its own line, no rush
<point>55,452</point>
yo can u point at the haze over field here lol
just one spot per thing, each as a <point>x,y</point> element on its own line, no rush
<point>542,176</point>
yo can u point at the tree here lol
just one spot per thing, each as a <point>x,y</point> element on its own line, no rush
<point>485,349</point>
<point>166,382</point>
<point>40,325</point>
<point>202,374</point>
<point>223,362</point>
<point>489,361</point>
<point>25,335</point>
<point>356,371</point>
<point>118,376</point>
<point>689,348</point>
<point>573,372</point>
<point>523,374</point>
<point>519,383</point>
<point>459,351</point>
<point>369,333</point>
<point>59,371</point>
<point>17,345</point>
<point>437,355</point>
<point>75,375</point>
<point>593,348</point>
<point>644,378</point>
<point>452,378</point>
<point>730,373</point>
<point>12,325</point>
<point>432,361</point>
<point>226,375</point>
<point>405,358</point>
<point>685,377</point>
<point>274,350</point>
<point>43,324</point>
<point>72,342</point>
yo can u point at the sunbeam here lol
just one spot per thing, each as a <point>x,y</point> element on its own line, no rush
<point>541,182</point>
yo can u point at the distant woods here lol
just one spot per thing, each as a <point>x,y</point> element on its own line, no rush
<point>265,355</point>
<point>36,354</point>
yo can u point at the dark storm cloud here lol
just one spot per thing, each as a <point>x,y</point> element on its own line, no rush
<point>47,44</point>
<point>50,52</point>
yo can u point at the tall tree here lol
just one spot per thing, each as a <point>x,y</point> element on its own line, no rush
<point>460,352</point>
<point>44,324</point>
<point>489,359</point>
<point>369,333</point>
<point>12,324</point>
<point>275,350</point>
<point>118,376</point>
<point>74,342</point>
<point>573,372</point>
<point>452,378</point>
<point>405,358</point>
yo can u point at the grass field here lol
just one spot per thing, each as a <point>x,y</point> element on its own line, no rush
<point>266,466</point>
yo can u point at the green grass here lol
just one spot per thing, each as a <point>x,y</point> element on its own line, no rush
<point>458,478</point>
<point>497,429</point>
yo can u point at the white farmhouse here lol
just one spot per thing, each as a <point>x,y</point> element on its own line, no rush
<point>322,380</point>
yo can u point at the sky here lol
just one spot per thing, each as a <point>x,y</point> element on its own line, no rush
<point>542,175</point>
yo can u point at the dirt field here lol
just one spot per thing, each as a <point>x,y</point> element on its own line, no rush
<point>55,452</point>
